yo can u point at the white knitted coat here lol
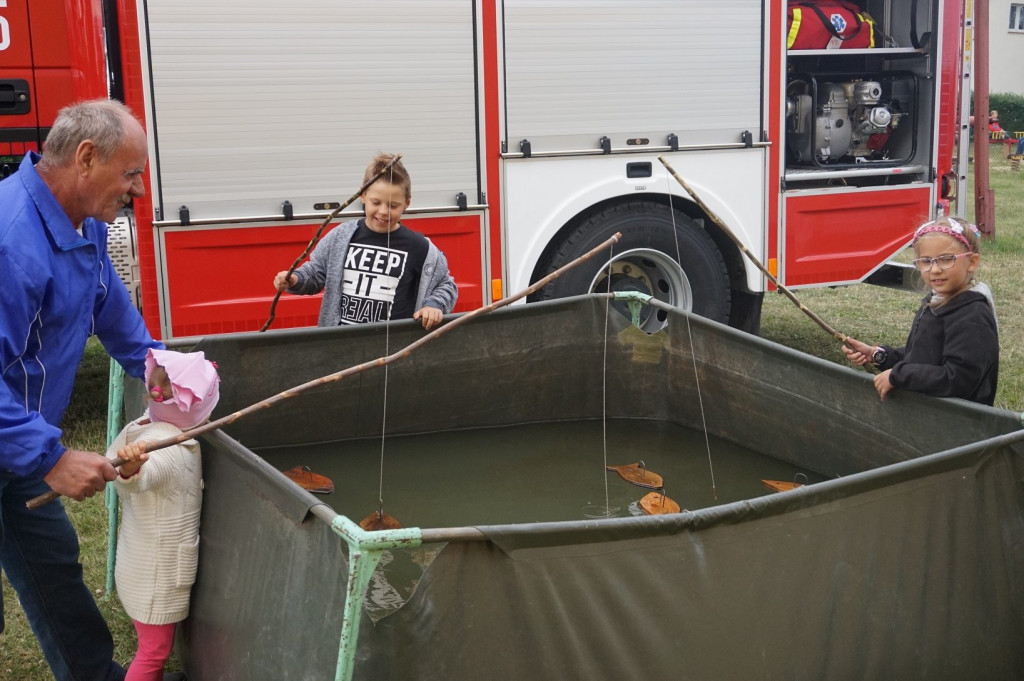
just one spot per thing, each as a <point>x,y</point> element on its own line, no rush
<point>158,543</point>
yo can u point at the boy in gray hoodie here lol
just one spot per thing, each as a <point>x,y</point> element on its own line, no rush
<point>375,268</point>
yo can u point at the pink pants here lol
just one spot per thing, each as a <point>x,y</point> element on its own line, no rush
<point>155,641</point>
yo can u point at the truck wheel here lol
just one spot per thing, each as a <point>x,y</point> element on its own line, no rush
<point>645,260</point>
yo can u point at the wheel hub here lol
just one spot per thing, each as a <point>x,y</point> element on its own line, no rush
<point>650,272</point>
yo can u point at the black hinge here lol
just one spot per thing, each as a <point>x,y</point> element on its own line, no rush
<point>460,201</point>
<point>747,138</point>
<point>606,145</point>
<point>673,141</point>
<point>524,147</point>
<point>183,215</point>
<point>287,210</point>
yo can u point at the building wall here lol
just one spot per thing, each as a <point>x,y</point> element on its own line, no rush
<point>1006,46</point>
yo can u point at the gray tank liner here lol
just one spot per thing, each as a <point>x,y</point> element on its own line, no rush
<point>907,563</point>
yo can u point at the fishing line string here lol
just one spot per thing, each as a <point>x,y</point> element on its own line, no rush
<point>387,351</point>
<point>693,353</point>
<point>604,385</point>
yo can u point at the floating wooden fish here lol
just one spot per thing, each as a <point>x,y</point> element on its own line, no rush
<point>637,474</point>
<point>656,503</point>
<point>781,485</point>
<point>310,481</point>
<point>378,520</point>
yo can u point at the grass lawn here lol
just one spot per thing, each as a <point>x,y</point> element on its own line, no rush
<point>869,313</point>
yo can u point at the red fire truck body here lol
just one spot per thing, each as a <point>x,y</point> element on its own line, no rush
<point>531,129</point>
<point>40,71</point>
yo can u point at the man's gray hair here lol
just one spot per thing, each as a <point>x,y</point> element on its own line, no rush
<point>99,120</point>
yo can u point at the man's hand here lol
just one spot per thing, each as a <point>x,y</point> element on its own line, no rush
<point>80,474</point>
<point>428,316</point>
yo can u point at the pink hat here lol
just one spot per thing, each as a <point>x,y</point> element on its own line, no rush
<point>195,387</point>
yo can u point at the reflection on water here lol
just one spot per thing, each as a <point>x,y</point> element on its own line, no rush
<point>600,512</point>
<point>394,581</point>
<point>531,473</point>
<point>521,474</point>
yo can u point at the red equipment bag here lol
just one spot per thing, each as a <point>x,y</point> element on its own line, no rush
<point>828,24</point>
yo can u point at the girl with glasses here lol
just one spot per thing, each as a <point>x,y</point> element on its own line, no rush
<point>953,346</point>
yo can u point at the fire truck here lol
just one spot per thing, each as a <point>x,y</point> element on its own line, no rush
<point>532,130</point>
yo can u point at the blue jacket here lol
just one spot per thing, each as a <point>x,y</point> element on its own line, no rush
<point>58,288</point>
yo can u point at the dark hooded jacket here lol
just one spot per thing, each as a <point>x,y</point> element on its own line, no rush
<point>952,350</point>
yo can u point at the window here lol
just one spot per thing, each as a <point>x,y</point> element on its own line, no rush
<point>1017,16</point>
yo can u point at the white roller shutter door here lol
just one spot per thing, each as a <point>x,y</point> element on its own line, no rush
<point>258,102</point>
<point>577,70</point>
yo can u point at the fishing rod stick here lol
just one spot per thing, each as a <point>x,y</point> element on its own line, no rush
<point>331,378</point>
<point>323,225</point>
<point>841,337</point>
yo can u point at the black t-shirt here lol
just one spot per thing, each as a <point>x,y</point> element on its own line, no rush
<point>382,271</point>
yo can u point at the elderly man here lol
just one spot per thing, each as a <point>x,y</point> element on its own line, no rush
<point>59,287</point>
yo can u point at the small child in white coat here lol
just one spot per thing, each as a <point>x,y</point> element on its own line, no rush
<point>161,496</point>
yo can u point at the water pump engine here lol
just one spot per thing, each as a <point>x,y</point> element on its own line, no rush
<point>838,122</point>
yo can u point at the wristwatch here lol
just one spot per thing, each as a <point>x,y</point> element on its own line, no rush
<point>878,356</point>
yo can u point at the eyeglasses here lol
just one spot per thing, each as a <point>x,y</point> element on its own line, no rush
<point>943,261</point>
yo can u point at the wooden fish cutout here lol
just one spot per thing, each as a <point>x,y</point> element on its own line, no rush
<point>379,520</point>
<point>637,474</point>
<point>656,503</point>
<point>310,481</point>
<point>781,485</point>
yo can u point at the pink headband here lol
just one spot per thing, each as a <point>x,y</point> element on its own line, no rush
<point>195,387</point>
<point>955,230</point>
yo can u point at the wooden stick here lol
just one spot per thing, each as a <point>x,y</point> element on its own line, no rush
<point>323,225</point>
<point>842,338</point>
<point>331,378</point>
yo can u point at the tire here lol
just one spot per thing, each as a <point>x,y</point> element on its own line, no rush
<point>645,260</point>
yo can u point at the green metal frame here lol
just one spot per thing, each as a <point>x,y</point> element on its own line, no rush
<point>115,421</point>
<point>635,301</point>
<point>364,553</point>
